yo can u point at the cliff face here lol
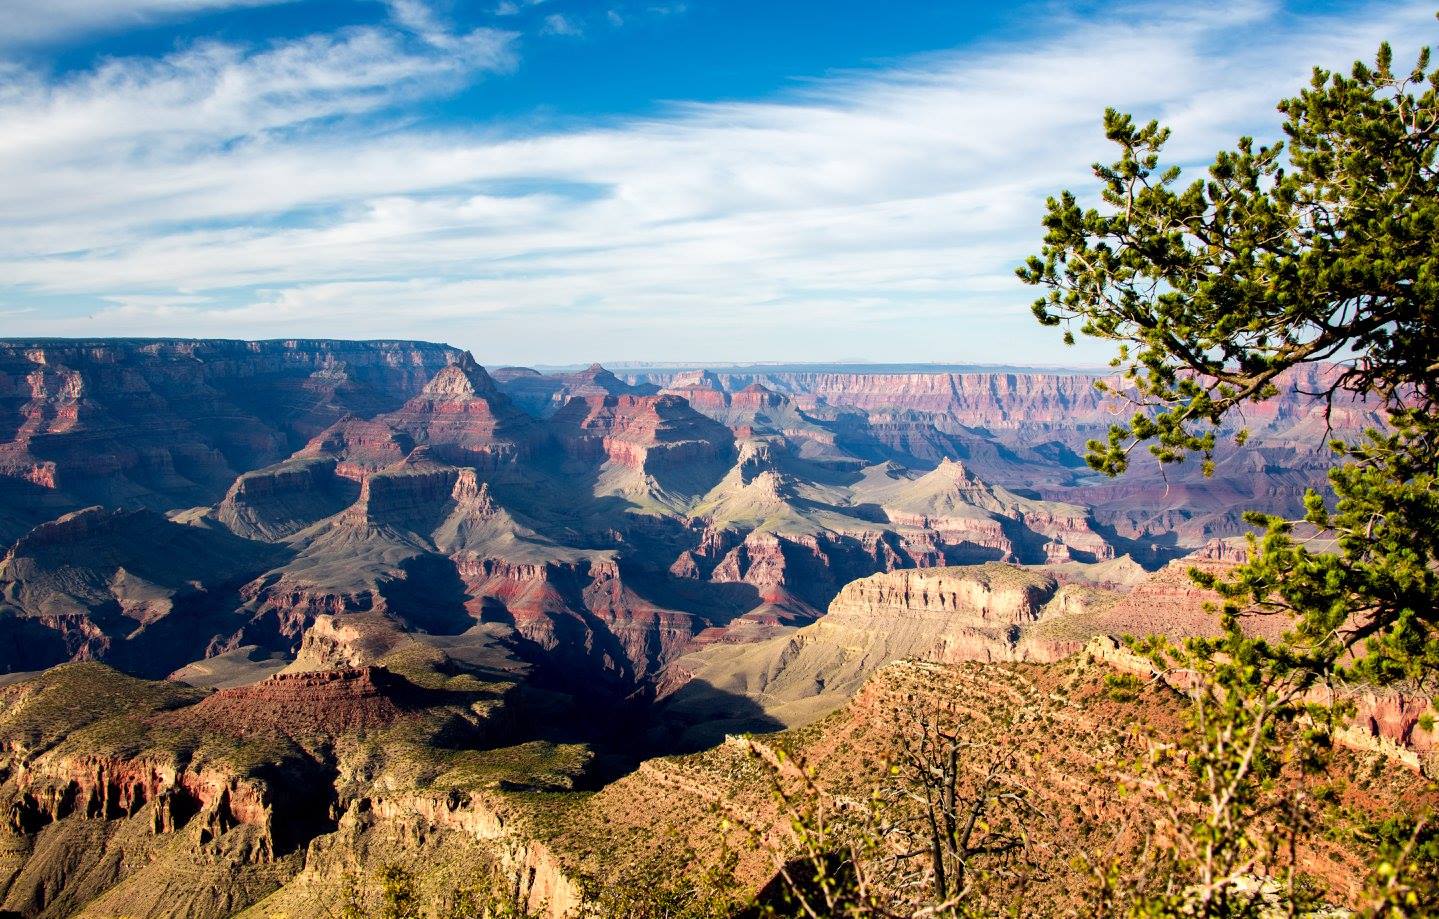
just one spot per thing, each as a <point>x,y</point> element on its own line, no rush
<point>1026,430</point>
<point>986,399</point>
<point>87,814</point>
<point>171,423</point>
<point>336,702</point>
<point>997,597</point>
<point>278,501</point>
<point>446,838</point>
<point>459,417</point>
<point>128,796</point>
<point>542,395</point>
<point>942,615</point>
<point>128,586</point>
<point>654,434</point>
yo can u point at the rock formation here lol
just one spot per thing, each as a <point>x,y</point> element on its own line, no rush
<point>423,592</point>
<point>170,423</point>
<point>944,615</point>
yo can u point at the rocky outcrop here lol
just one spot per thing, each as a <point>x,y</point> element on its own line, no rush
<point>757,412</point>
<point>1390,722</point>
<point>767,524</point>
<point>279,501</point>
<point>349,701</point>
<point>942,615</point>
<point>348,642</point>
<point>582,615</point>
<point>433,825</point>
<point>129,587</point>
<point>415,497</point>
<point>962,508</point>
<point>1170,604</point>
<point>811,567</point>
<point>110,788</point>
<point>990,596</point>
<point>542,395</point>
<point>99,799</point>
<point>460,418</point>
<point>124,796</point>
<point>1393,723</point>
<point>655,434</point>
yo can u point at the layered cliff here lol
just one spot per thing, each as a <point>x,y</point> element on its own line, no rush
<point>127,586</point>
<point>656,451</point>
<point>943,615</point>
<point>134,797</point>
<point>170,423</point>
<point>993,399</point>
<point>542,395</point>
<point>1025,431</point>
<point>459,417</point>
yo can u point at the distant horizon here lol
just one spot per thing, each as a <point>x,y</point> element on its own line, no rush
<point>612,366</point>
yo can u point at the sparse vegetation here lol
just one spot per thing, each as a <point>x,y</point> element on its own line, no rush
<point>1123,687</point>
<point>394,892</point>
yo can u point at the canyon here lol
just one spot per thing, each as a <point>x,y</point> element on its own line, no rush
<point>271,612</point>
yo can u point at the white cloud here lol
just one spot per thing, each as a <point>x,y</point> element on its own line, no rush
<point>32,21</point>
<point>560,24</point>
<point>513,7</point>
<point>880,213</point>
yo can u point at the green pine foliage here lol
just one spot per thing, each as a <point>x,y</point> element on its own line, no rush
<point>1324,247</point>
<point>1320,248</point>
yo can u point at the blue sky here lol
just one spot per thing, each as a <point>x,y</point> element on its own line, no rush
<point>553,181</point>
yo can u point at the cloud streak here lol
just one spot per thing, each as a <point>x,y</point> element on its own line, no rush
<point>28,22</point>
<point>875,215</point>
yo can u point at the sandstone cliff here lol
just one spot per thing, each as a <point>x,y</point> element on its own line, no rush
<point>943,615</point>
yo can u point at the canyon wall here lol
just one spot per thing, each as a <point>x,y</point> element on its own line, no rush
<point>995,400</point>
<point>170,423</point>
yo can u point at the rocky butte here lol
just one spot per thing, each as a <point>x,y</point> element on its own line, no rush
<point>276,614</point>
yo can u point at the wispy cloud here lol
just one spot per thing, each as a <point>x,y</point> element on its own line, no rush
<point>25,22</point>
<point>514,7</point>
<point>220,191</point>
<point>560,24</point>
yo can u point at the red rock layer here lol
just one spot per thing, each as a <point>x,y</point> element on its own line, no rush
<point>542,395</point>
<point>460,417</point>
<point>108,788</point>
<point>582,614</point>
<point>170,423</point>
<point>993,400</point>
<point>330,702</point>
<point>642,432</point>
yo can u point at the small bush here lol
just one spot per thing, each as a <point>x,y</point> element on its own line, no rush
<point>1122,687</point>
